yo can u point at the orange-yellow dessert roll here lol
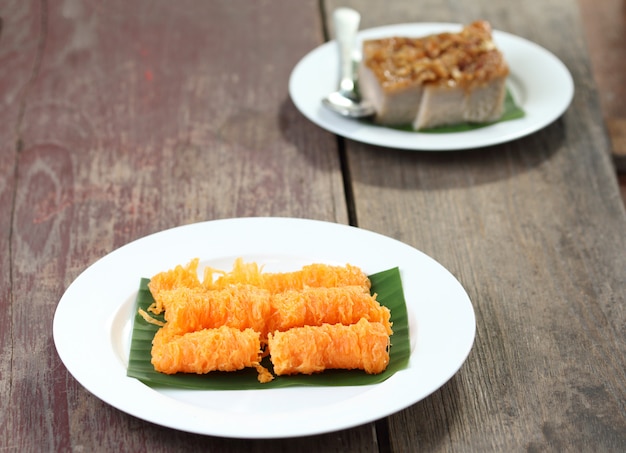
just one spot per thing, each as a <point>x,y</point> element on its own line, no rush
<point>313,275</point>
<point>239,306</point>
<point>180,276</point>
<point>312,349</point>
<point>221,349</point>
<point>316,306</point>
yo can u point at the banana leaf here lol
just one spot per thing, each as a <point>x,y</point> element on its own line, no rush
<point>387,285</point>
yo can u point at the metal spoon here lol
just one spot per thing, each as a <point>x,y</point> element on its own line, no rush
<point>346,101</point>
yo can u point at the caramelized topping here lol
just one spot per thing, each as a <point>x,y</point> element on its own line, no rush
<point>467,58</point>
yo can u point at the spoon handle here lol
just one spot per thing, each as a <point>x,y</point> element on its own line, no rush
<point>346,22</point>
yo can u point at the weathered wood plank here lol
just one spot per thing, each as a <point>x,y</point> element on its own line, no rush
<point>605,27</point>
<point>125,118</point>
<point>18,63</point>
<point>140,116</point>
<point>534,230</point>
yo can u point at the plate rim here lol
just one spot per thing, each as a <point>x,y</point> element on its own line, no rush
<point>416,141</point>
<point>157,400</point>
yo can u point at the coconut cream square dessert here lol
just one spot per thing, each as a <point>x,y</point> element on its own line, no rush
<point>437,80</point>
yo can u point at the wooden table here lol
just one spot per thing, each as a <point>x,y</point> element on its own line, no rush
<point>605,28</point>
<point>120,119</point>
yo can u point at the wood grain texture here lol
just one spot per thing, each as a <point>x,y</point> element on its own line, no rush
<point>120,119</point>
<point>534,230</point>
<point>605,28</point>
<point>123,118</point>
<point>604,24</point>
<point>18,63</point>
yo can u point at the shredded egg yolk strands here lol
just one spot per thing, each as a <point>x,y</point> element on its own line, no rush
<point>240,306</point>
<point>312,349</point>
<point>319,317</point>
<point>316,306</point>
<point>221,349</point>
<point>313,275</point>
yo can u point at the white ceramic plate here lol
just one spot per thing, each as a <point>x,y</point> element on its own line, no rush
<point>539,82</point>
<point>93,321</point>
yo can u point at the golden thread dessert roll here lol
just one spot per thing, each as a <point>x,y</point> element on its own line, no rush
<point>239,306</point>
<point>313,349</point>
<point>316,306</point>
<point>179,276</point>
<point>313,275</point>
<point>203,351</point>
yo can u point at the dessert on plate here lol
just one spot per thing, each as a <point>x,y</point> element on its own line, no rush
<point>436,80</point>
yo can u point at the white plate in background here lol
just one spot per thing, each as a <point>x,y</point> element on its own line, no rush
<point>539,82</point>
